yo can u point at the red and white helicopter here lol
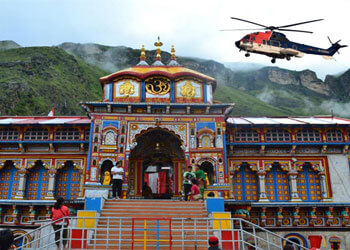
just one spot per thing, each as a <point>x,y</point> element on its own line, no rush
<point>276,45</point>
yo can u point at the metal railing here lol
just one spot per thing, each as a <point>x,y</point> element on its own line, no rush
<point>154,233</point>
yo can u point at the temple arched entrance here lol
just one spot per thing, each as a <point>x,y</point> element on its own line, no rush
<point>158,161</point>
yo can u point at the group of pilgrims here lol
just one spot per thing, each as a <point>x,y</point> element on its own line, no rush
<point>194,183</point>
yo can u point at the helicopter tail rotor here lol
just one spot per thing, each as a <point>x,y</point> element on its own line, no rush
<point>335,46</point>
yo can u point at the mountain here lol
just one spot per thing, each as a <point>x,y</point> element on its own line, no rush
<point>8,44</point>
<point>70,73</point>
<point>34,79</point>
<point>293,92</point>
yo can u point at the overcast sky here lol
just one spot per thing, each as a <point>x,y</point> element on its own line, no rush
<point>191,25</point>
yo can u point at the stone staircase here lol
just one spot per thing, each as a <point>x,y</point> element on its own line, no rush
<point>153,224</point>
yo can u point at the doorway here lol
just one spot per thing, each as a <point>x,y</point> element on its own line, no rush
<point>156,162</point>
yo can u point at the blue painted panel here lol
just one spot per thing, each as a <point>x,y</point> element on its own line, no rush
<point>225,154</point>
<point>277,185</point>
<point>172,91</point>
<point>215,205</point>
<point>107,123</point>
<point>93,203</point>
<point>90,145</point>
<point>210,125</point>
<point>143,90</point>
<point>7,182</point>
<point>205,94</point>
<point>37,183</point>
<point>68,182</point>
<point>111,91</point>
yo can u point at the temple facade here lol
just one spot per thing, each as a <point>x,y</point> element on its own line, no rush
<point>288,174</point>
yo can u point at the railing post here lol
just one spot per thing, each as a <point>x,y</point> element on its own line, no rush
<point>242,235</point>
<point>195,233</point>
<point>182,233</point>
<point>107,229</point>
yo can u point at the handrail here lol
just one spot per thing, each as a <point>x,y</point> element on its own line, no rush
<point>201,229</point>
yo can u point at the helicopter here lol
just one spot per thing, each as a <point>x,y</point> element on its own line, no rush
<point>276,44</point>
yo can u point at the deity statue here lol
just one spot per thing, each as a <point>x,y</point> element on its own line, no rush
<point>107,178</point>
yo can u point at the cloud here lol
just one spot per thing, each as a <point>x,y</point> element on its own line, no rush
<point>338,108</point>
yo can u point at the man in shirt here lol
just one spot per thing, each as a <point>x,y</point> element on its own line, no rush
<point>200,176</point>
<point>188,176</point>
<point>117,180</point>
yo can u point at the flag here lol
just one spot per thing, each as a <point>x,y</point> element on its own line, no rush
<point>52,112</point>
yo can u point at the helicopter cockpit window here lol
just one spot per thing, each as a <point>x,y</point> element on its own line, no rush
<point>246,37</point>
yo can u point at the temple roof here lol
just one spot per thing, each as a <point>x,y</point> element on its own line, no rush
<point>169,71</point>
<point>173,70</point>
<point>44,120</point>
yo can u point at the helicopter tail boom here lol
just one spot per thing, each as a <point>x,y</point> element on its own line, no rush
<point>335,47</point>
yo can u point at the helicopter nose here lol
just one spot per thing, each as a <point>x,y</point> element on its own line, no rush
<point>237,44</point>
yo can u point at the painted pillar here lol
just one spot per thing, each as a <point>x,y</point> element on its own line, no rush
<point>293,185</point>
<point>22,172</point>
<point>262,190</point>
<point>324,195</point>
<point>81,190</point>
<point>232,195</point>
<point>50,194</point>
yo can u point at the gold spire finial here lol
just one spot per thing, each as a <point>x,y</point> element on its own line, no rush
<point>143,53</point>
<point>158,44</point>
<point>173,57</point>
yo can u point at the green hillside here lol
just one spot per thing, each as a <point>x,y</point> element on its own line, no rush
<point>34,79</point>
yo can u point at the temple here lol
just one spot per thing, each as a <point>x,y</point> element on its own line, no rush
<point>287,174</point>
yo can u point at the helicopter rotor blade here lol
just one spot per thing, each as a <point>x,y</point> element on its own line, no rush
<point>239,19</point>
<point>239,29</point>
<point>329,40</point>
<point>304,31</point>
<point>290,25</point>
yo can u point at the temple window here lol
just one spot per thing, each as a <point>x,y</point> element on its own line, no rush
<point>8,134</point>
<point>245,184</point>
<point>277,135</point>
<point>192,131</point>
<point>109,138</point>
<point>206,141</point>
<point>308,135</point>
<point>246,135</point>
<point>334,135</point>
<point>87,134</point>
<point>97,129</point>
<point>67,134</point>
<point>36,134</point>
<point>309,184</point>
<point>277,184</point>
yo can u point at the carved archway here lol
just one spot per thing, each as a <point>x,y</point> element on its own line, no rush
<point>138,129</point>
<point>155,158</point>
